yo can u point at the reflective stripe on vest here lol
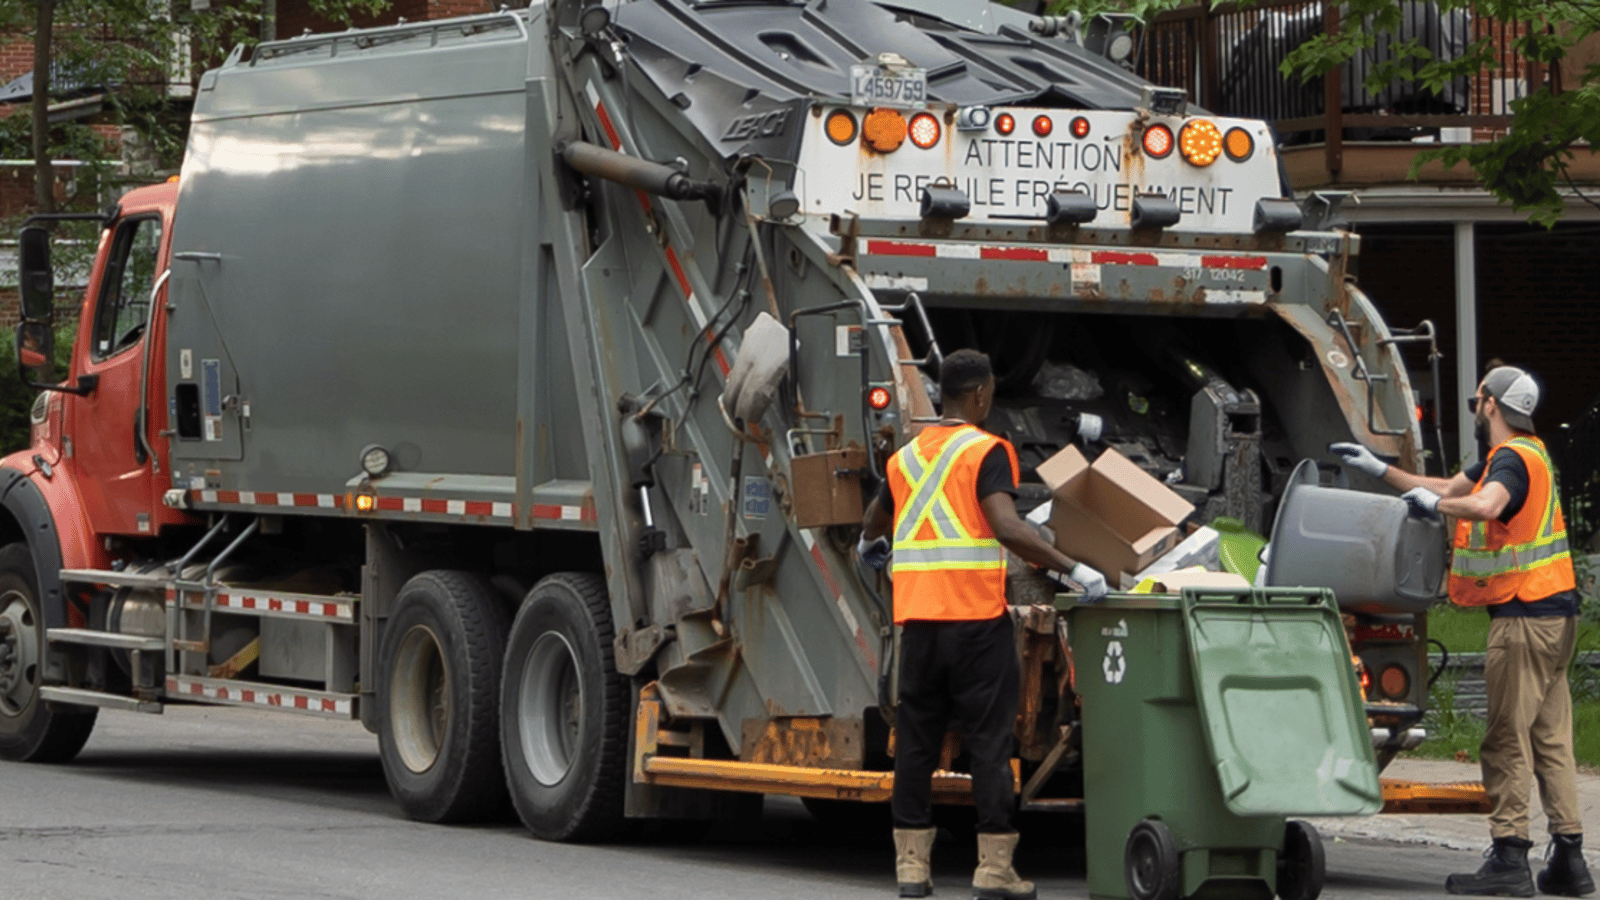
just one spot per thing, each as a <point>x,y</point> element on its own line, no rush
<point>953,546</point>
<point>1534,560</point>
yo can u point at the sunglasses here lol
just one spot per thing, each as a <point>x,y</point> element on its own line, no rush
<point>1472,405</point>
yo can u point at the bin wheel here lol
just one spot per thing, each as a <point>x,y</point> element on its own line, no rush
<point>1301,863</point>
<point>1150,862</point>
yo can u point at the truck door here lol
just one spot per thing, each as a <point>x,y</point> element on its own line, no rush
<point>116,472</point>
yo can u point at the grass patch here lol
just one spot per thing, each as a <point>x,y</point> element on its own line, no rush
<point>1460,630</point>
<point>1586,732</point>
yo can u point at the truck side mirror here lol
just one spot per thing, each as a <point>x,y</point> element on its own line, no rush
<point>35,356</point>
<point>37,279</point>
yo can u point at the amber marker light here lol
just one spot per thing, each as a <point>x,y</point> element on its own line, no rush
<point>365,502</point>
<point>925,131</point>
<point>884,129</point>
<point>1005,123</point>
<point>1079,128</point>
<point>1200,142</point>
<point>1157,141</point>
<point>878,398</point>
<point>1238,144</point>
<point>1042,126</point>
<point>841,127</point>
<point>1394,682</point>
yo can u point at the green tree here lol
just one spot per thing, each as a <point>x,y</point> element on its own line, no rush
<point>136,49</point>
<point>1525,166</point>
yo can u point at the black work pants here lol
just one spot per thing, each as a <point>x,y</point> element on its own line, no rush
<point>966,674</point>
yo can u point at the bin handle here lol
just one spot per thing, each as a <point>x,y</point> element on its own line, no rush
<point>1251,596</point>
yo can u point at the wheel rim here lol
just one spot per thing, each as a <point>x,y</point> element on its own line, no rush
<point>419,712</point>
<point>550,708</point>
<point>1146,869</point>
<point>19,654</point>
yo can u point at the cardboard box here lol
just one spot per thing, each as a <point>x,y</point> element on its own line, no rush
<point>1111,515</point>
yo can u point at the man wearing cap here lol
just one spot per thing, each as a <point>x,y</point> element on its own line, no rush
<point>1511,557</point>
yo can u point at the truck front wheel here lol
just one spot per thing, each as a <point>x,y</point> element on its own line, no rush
<point>30,729</point>
<point>439,738</point>
<point>562,712</point>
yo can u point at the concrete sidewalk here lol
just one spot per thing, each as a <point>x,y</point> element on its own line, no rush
<point>1461,832</point>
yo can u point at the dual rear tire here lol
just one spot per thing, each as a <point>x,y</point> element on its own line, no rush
<point>480,709</point>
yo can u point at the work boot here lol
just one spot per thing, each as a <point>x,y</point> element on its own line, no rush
<point>1504,872</point>
<point>913,849</point>
<point>1568,873</point>
<point>995,879</point>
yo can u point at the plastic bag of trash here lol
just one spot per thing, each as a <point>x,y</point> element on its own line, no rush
<point>1064,381</point>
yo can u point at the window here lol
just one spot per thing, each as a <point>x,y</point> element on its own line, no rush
<point>124,307</point>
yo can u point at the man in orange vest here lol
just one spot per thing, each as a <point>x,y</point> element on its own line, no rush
<point>949,500</point>
<point>1511,557</point>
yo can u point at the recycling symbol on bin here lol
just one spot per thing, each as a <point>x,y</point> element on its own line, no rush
<point>1115,665</point>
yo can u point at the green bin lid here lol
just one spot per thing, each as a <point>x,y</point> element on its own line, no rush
<point>1279,703</point>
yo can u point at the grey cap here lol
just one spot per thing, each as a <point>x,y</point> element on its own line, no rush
<point>1517,394</point>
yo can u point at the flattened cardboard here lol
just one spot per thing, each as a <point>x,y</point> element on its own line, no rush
<point>1111,515</point>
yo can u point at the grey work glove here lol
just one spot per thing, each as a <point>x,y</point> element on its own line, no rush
<point>1088,578</point>
<point>1360,458</point>
<point>874,553</point>
<point>1423,502</point>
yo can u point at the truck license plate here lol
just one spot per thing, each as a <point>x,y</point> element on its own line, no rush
<point>876,86</point>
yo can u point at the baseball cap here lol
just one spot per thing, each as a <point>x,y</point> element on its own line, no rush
<point>1517,394</point>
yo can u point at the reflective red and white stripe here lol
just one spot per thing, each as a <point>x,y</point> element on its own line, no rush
<point>266,696</point>
<point>289,605</point>
<point>673,263</point>
<point>851,623</point>
<point>268,498</point>
<point>446,507</point>
<point>1066,255</point>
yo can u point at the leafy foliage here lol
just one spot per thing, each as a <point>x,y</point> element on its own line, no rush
<point>1527,165</point>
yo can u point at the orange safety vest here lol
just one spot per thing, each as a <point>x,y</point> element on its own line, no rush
<point>1526,559</point>
<point>947,565</point>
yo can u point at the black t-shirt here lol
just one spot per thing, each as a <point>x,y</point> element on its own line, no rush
<point>1507,469</point>
<point>994,477</point>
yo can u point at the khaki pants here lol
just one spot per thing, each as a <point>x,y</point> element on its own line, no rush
<point>1530,724</point>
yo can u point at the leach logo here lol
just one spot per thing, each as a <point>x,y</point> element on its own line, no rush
<point>1115,665</point>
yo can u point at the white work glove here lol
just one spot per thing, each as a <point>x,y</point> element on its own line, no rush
<point>1423,502</point>
<point>1086,577</point>
<point>875,553</point>
<point>1360,458</point>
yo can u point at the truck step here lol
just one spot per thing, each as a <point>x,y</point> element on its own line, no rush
<point>230,692</point>
<point>82,697</point>
<point>116,579</point>
<point>91,638</point>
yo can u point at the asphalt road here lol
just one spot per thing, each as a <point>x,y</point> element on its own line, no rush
<point>208,803</point>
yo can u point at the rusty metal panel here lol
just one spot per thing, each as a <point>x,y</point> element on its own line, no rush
<point>815,742</point>
<point>827,487</point>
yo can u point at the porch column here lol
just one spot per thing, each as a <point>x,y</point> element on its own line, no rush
<point>1466,340</point>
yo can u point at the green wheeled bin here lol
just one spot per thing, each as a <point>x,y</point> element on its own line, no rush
<point>1208,719</point>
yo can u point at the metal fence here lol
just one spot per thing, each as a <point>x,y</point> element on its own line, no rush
<point>1577,457</point>
<point>1228,59</point>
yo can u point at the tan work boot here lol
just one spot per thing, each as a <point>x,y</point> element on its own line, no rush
<point>913,852</point>
<point>995,879</point>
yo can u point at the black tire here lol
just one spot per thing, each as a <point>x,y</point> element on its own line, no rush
<point>1301,865</point>
<point>30,729</point>
<point>439,690</point>
<point>1150,862</point>
<point>563,708</point>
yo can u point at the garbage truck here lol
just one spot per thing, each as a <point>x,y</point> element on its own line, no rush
<point>514,385</point>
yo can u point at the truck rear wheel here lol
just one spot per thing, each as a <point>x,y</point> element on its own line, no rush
<point>30,729</point>
<point>439,690</point>
<point>562,712</point>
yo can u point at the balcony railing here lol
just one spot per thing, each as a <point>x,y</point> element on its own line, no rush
<point>1228,59</point>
